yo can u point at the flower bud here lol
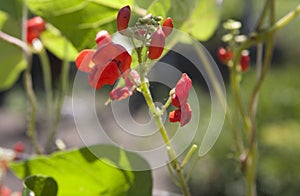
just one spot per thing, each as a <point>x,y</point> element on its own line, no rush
<point>157,44</point>
<point>224,55</point>
<point>102,37</point>
<point>167,26</point>
<point>245,60</point>
<point>34,26</point>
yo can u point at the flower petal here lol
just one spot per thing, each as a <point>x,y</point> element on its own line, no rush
<point>135,76</point>
<point>186,114</point>
<point>182,88</point>
<point>175,115</point>
<point>83,60</point>
<point>120,93</point>
<point>107,53</point>
<point>101,75</point>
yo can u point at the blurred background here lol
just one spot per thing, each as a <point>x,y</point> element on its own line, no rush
<point>218,173</point>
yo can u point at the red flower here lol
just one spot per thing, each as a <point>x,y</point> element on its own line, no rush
<point>182,89</point>
<point>157,44</point>
<point>182,115</point>
<point>224,55</point>
<point>179,100</point>
<point>19,147</point>
<point>111,61</point>
<point>127,90</point>
<point>245,60</point>
<point>35,26</point>
<point>106,64</point>
<point>5,191</point>
<point>167,26</point>
<point>123,18</point>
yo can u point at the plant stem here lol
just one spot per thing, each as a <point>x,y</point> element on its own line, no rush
<point>27,80</point>
<point>164,134</point>
<point>46,68</point>
<point>64,78</point>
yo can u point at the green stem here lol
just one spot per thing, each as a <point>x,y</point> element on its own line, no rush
<point>64,78</point>
<point>33,103</point>
<point>46,68</point>
<point>27,80</point>
<point>164,134</point>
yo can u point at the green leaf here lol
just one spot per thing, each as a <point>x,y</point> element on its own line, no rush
<point>3,18</point>
<point>79,20</point>
<point>40,186</point>
<point>12,59</point>
<point>198,18</point>
<point>58,45</point>
<point>95,170</point>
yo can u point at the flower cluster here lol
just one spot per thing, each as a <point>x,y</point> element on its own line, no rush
<point>226,55</point>
<point>110,61</point>
<point>179,99</point>
<point>233,39</point>
<point>35,26</point>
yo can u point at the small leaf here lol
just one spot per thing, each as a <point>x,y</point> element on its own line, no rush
<point>40,186</point>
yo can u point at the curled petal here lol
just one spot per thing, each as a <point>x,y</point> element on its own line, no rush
<point>102,37</point>
<point>182,89</point>
<point>175,101</point>
<point>120,93</point>
<point>84,60</point>
<point>175,115</point>
<point>186,114</point>
<point>182,115</point>
<point>157,44</point>
<point>135,76</point>
<point>101,75</point>
<point>112,51</point>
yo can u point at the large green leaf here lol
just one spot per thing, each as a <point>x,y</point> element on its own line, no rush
<point>79,20</point>
<point>12,60</point>
<point>58,45</point>
<point>200,18</point>
<point>95,170</point>
<point>40,186</point>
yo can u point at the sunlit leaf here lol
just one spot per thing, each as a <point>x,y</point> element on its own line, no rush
<point>12,59</point>
<point>95,170</point>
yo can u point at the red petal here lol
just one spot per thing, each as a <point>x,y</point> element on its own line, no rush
<point>175,101</point>
<point>36,24</point>
<point>101,75</point>
<point>175,115</point>
<point>186,114</point>
<point>83,60</point>
<point>135,76</point>
<point>157,44</point>
<point>120,93</point>
<point>123,18</point>
<point>182,89</point>
<point>108,52</point>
